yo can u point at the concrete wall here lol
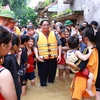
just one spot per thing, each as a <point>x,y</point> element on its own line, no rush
<point>91,8</point>
<point>62,7</point>
<point>77,5</point>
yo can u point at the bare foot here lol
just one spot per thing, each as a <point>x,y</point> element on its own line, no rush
<point>90,92</point>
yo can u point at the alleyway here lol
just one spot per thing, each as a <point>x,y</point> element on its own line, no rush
<point>57,91</point>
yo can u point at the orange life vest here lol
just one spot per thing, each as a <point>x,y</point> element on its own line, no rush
<point>47,47</point>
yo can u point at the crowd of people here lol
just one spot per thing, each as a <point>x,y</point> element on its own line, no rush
<point>53,45</point>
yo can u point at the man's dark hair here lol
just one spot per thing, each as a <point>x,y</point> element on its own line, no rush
<point>24,38</point>
<point>73,42</point>
<point>43,21</point>
<point>81,28</point>
<point>54,21</point>
<point>94,23</point>
<point>86,22</point>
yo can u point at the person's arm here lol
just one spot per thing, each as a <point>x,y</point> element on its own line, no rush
<point>83,57</point>
<point>59,48</point>
<point>59,53</point>
<point>65,48</point>
<point>72,65</point>
<point>19,56</point>
<point>7,88</point>
<point>35,48</point>
<point>37,56</point>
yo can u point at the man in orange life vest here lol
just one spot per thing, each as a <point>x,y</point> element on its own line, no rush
<point>47,48</point>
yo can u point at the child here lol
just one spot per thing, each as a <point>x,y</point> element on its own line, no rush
<point>30,74</point>
<point>23,61</point>
<point>73,55</point>
<point>61,65</point>
<point>30,30</point>
<point>11,64</point>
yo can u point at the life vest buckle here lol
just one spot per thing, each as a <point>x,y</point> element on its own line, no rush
<point>49,50</point>
<point>48,44</point>
<point>49,55</point>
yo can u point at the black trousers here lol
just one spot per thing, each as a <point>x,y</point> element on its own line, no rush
<point>47,71</point>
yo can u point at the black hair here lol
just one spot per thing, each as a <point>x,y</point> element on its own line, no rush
<point>67,29</point>
<point>62,27</point>
<point>43,21</point>
<point>73,42</point>
<point>98,40</point>
<point>5,35</point>
<point>15,39</point>
<point>30,27</point>
<point>24,26</point>
<point>94,23</point>
<point>89,32</point>
<point>54,21</point>
<point>81,28</point>
<point>31,37</point>
<point>86,22</point>
<point>24,38</point>
<point>61,31</point>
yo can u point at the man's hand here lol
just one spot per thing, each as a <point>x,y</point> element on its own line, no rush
<point>40,59</point>
<point>58,59</point>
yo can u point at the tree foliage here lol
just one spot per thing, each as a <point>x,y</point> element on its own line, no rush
<point>21,10</point>
<point>43,4</point>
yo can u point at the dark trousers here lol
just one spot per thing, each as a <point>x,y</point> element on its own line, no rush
<point>47,71</point>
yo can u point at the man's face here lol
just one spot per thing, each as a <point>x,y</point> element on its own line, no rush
<point>85,24</point>
<point>94,26</point>
<point>69,26</point>
<point>4,21</point>
<point>11,24</point>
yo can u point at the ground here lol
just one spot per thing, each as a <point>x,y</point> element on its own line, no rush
<point>56,91</point>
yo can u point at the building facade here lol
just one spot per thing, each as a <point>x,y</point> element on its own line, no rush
<point>90,8</point>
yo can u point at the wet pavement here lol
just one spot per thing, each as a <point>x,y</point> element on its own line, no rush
<point>55,91</point>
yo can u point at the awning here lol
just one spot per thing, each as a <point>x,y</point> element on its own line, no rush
<point>52,6</point>
<point>70,16</point>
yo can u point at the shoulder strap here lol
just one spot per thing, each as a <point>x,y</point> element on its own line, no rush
<point>1,69</point>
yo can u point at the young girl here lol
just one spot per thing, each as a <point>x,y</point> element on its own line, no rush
<point>11,64</point>
<point>7,88</point>
<point>30,74</point>
<point>73,55</point>
<point>67,34</point>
